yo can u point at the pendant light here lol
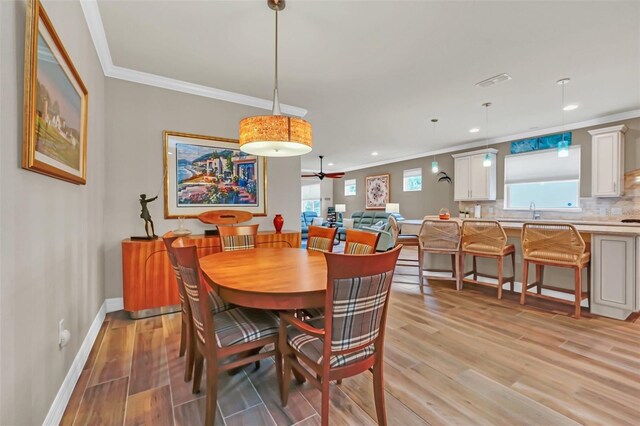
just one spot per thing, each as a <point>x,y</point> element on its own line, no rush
<point>487,158</point>
<point>434,164</point>
<point>563,146</point>
<point>275,135</point>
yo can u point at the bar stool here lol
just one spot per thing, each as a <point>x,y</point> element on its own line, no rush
<point>486,238</point>
<point>555,244</point>
<point>406,241</point>
<point>440,237</point>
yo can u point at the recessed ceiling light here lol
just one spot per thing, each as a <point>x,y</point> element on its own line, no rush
<point>374,153</point>
<point>330,164</point>
<point>570,107</point>
<point>474,130</point>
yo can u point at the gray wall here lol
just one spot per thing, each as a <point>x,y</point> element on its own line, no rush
<point>434,196</point>
<point>136,117</point>
<point>52,260</point>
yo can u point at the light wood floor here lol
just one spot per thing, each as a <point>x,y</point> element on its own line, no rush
<point>451,358</point>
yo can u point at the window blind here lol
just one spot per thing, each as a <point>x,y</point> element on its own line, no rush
<point>311,192</point>
<point>542,166</point>
<point>412,173</point>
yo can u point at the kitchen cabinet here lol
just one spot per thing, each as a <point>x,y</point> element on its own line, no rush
<point>615,275</point>
<point>471,179</point>
<point>607,161</point>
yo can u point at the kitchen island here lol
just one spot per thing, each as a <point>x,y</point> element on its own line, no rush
<point>615,262</point>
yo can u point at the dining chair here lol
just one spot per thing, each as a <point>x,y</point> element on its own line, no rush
<point>440,237</point>
<point>320,238</point>
<point>555,244</point>
<point>187,343</point>
<point>361,242</point>
<point>238,237</point>
<point>486,238</point>
<point>349,339</point>
<point>223,339</point>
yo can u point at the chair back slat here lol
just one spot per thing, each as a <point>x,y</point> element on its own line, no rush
<point>361,242</point>
<point>196,292</point>
<point>552,242</point>
<point>483,236</point>
<point>439,235</point>
<point>320,238</point>
<point>238,237</point>
<point>168,239</point>
<point>357,298</point>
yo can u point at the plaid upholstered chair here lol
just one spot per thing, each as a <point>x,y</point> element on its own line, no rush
<point>187,342</point>
<point>321,238</point>
<point>350,338</point>
<point>238,237</point>
<point>361,242</point>
<point>223,339</point>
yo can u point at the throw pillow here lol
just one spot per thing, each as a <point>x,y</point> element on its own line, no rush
<point>378,225</point>
<point>317,221</point>
<point>347,223</point>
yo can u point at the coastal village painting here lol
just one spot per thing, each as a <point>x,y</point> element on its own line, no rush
<point>208,176</point>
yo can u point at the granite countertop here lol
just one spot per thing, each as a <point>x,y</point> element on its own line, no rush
<point>591,227</point>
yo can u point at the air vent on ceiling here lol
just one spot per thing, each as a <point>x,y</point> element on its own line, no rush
<point>494,80</point>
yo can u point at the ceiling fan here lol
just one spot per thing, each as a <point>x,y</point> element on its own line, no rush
<point>321,175</point>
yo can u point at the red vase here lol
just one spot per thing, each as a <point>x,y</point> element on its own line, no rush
<point>278,221</point>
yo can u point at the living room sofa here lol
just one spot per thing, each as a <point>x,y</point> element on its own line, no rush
<point>366,219</point>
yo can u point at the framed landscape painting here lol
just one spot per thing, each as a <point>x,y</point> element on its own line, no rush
<point>205,173</point>
<point>55,104</point>
<point>377,191</point>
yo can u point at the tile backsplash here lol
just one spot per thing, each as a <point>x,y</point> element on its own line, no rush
<point>602,209</point>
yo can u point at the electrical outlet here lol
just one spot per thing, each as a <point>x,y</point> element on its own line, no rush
<point>63,334</point>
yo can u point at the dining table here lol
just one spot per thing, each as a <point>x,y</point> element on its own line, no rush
<point>268,278</point>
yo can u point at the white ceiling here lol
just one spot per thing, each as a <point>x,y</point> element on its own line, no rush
<point>372,74</point>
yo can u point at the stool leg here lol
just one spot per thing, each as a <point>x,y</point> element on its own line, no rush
<point>461,269</point>
<point>455,258</point>
<point>589,285</point>
<point>420,266</point>
<point>525,275</point>
<point>500,259</point>
<point>513,271</point>
<point>539,278</point>
<point>578,291</point>
<point>475,269</point>
<point>454,268</point>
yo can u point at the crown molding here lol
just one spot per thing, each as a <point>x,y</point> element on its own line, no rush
<point>96,29</point>
<point>627,115</point>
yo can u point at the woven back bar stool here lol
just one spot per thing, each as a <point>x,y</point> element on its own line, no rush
<point>555,244</point>
<point>407,240</point>
<point>486,238</point>
<point>440,237</point>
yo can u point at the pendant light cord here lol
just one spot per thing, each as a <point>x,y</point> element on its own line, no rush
<point>486,123</point>
<point>276,101</point>
<point>563,84</point>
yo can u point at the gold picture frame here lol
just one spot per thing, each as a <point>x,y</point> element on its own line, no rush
<point>203,173</point>
<point>55,104</point>
<point>377,189</point>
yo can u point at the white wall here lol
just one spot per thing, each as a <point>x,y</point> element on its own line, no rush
<point>136,116</point>
<point>51,258</point>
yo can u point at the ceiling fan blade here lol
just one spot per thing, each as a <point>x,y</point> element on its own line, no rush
<point>334,175</point>
<point>313,175</point>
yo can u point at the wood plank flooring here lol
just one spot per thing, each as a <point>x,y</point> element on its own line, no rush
<point>451,358</point>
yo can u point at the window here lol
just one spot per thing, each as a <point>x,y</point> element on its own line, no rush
<point>412,180</point>
<point>349,187</point>
<point>543,178</point>
<point>311,198</point>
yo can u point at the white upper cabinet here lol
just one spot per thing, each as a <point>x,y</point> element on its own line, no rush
<point>471,180</point>
<point>607,161</point>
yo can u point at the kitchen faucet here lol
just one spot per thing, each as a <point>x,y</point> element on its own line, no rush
<point>534,214</point>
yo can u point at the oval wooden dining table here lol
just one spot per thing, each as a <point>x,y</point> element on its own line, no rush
<point>268,278</point>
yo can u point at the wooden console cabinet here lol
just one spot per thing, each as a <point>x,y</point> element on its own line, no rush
<point>149,286</point>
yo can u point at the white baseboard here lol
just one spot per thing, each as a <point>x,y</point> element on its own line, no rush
<point>66,389</point>
<point>115,304</point>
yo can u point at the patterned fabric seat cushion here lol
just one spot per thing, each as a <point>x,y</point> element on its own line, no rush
<point>241,325</point>
<point>314,312</point>
<point>238,242</point>
<point>358,248</point>
<point>312,347</point>
<point>217,303</point>
<point>319,244</point>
